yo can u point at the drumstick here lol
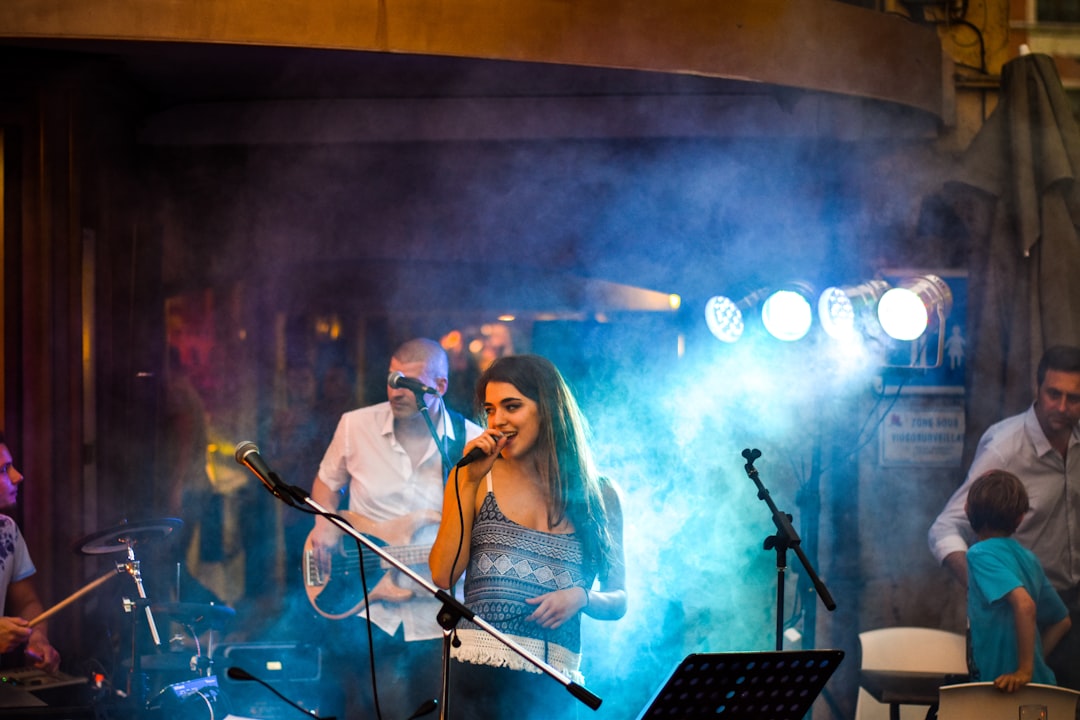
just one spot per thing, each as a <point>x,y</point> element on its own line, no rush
<point>72,598</point>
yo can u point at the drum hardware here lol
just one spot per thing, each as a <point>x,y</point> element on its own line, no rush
<point>197,618</point>
<point>179,699</point>
<point>125,537</point>
<point>205,615</point>
<point>122,537</point>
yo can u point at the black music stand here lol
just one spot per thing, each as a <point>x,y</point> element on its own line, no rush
<point>780,685</point>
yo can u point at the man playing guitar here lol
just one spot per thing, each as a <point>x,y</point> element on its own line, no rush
<point>385,460</point>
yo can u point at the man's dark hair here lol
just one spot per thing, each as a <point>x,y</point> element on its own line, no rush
<point>997,501</point>
<point>1063,358</point>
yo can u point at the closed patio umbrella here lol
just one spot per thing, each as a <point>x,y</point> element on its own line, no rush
<point>1024,284</point>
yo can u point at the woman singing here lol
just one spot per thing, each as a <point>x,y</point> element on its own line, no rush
<point>538,534</point>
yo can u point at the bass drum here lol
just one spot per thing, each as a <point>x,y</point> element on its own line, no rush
<point>199,699</point>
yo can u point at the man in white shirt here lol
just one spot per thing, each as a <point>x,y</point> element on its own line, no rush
<point>385,459</point>
<point>1039,447</point>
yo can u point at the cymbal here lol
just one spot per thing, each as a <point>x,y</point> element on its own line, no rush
<point>213,617</point>
<point>127,534</point>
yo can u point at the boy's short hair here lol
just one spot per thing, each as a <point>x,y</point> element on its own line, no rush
<point>997,501</point>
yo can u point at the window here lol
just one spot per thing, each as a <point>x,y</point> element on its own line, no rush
<point>1058,11</point>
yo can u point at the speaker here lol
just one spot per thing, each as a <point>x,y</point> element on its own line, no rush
<point>293,669</point>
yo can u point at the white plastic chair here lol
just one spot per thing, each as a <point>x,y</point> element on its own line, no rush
<point>979,701</point>
<point>911,649</point>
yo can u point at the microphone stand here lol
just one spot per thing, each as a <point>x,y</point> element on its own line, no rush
<point>238,673</point>
<point>447,621</point>
<point>452,610</point>
<point>423,408</point>
<point>785,538</point>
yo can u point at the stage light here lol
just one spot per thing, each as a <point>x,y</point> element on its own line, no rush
<point>915,305</point>
<point>726,318</point>
<point>787,313</point>
<point>845,311</point>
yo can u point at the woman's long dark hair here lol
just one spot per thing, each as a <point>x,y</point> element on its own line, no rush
<point>562,452</point>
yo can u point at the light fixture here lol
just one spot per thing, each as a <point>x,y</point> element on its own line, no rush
<point>787,313</point>
<point>846,311</point>
<point>886,318</point>
<point>726,318</point>
<point>914,306</point>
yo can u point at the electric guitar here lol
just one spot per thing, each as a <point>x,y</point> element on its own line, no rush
<point>339,592</point>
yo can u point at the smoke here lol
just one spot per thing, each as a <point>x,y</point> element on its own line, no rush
<point>693,217</point>
<point>672,434</point>
<point>670,431</point>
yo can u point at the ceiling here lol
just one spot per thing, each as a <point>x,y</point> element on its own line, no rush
<point>178,73</point>
<point>196,92</point>
<point>693,233</point>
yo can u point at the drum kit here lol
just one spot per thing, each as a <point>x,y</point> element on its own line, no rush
<point>196,695</point>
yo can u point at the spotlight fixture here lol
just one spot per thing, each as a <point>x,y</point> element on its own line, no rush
<point>846,311</point>
<point>914,306</point>
<point>726,318</point>
<point>889,317</point>
<point>787,313</point>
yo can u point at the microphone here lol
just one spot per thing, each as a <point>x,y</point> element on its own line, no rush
<point>471,457</point>
<point>236,673</point>
<point>426,707</point>
<point>247,454</point>
<point>398,380</point>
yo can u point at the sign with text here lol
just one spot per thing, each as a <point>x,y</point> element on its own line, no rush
<point>923,436</point>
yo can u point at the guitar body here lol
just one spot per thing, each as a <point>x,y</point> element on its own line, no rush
<point>339,593</point>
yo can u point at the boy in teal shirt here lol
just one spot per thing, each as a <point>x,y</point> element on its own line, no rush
<point>1009,596</point>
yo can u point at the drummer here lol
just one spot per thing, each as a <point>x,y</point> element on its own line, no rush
<point>19,601</point>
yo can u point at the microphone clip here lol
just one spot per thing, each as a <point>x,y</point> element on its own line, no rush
<point>751,456</point>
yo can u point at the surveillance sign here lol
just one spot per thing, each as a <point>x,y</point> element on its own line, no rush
<point>923,436</point>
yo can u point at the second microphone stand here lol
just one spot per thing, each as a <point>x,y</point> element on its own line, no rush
<point>785,538</point>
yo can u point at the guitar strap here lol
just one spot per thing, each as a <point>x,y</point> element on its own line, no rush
<point>455,448</point>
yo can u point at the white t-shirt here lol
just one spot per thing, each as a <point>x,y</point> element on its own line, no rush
<point>383,485</point>
<point>15,563</point>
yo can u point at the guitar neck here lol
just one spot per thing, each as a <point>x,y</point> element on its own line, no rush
<point>406,554</point>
